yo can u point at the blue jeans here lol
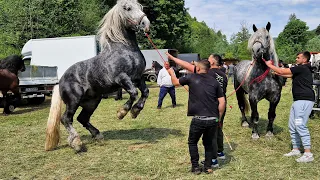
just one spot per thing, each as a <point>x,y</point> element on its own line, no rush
<point>163,92</point>
<point>207,129</point>
<point>299,116</point>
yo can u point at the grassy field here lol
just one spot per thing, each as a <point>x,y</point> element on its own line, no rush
<point>153,146</point>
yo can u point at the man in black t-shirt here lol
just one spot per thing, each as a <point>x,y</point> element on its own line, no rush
<point>206,104</point>
<point>303,96</point>
<point>215,61</point>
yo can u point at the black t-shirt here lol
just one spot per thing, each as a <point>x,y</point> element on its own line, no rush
<point>220,76</point>
<point>204,92</point>
<point>302,83</point>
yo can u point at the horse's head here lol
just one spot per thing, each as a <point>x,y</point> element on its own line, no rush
<point>261,43</point>
<point>125,15</point>
<point>131,12</point>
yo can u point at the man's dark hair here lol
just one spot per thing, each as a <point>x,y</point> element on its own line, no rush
<point>305,54</point>
<point>204,64</point>
<point>218,59</point>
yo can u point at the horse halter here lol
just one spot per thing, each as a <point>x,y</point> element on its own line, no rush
<point>137,23</point>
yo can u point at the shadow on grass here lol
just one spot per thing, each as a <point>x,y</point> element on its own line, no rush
<point>26,108</point>
<point>263,124</point>
<point>228,152</point>
<point>149,135</point>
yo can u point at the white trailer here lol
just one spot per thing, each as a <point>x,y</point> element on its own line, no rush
<point>61,52</point>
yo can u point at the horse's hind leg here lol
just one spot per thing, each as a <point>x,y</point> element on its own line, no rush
<point>254,117</point>
<point>67,120</point>
<point>125,81</point>
<point>242,106</point>
<point>271,117</point>
<point>140,104</point>
<point>84,117</point>
<point>71,96</point>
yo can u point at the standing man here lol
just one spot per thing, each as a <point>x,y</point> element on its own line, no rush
<point>224,68</point>
<point>206,104</point>
<point>214,71</point>
<point>303,96</point>
<point>231,71</point>
<point>166,86</point>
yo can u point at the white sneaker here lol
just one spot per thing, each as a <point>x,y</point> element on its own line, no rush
<point>307,157</point>
<point>294,152</point>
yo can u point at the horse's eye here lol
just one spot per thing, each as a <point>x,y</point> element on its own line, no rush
<point>267,37</point>
<point>127,8</point>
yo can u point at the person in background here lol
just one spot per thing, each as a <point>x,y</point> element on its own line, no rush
<point>230,72</point>
<point>166,86</point>
<point>224,68</point>
<point>304,97</point>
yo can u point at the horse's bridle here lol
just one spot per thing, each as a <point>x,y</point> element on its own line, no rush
<point>137,23</point>
<point>262,47</point>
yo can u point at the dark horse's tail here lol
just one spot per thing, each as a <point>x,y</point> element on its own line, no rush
<point>53,125</point>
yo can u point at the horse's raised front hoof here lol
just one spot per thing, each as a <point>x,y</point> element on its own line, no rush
<point>245,124</point>
<point>269,135</point>
<point>99,137</point>
<point>255,136</point>
<point>135,112</point>
<point>77,145</point>
<point>121,113</point>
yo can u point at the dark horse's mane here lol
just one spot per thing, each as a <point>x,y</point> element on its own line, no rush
<point>12,63</point>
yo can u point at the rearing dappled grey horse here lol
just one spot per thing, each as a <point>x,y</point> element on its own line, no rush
<point>262,47</point>
<point>120,64</point>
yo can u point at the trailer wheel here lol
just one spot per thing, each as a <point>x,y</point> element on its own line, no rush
<point>36,100</point>
<point>152,78</point>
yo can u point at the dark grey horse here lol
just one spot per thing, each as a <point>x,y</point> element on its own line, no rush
<point>120,64</point>
<point>262,47</point>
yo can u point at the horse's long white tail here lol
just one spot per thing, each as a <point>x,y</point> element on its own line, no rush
<point>53,125</point>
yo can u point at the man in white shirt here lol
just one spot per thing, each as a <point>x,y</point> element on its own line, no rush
<point>166,86</point>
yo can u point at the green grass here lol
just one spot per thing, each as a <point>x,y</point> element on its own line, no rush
<point>153,146</point>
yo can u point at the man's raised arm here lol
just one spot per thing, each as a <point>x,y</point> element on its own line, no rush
<point>183,64</point>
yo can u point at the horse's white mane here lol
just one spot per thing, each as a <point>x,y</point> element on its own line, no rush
<point>272,48</point>
<point>112,24</point>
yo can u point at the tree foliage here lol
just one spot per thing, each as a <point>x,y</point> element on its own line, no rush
<point>171,27</point>
<point>292,39</point>
<point>314,44</point>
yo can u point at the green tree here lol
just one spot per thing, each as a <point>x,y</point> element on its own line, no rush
<point>314,44</point>
<point>317,30</point>
<point>292,39</point>
<point>239,44</point>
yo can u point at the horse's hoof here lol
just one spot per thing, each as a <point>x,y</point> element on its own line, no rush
<point>121,113</point>
<point>77,145</point>
<point>135,112</point>
<point>245,124</point>
<point>269,135</point>
<point>255,136</point>
<point>99,137</point>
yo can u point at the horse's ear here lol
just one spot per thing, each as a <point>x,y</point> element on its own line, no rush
<point>254,28</point>
<point>268,27</point>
